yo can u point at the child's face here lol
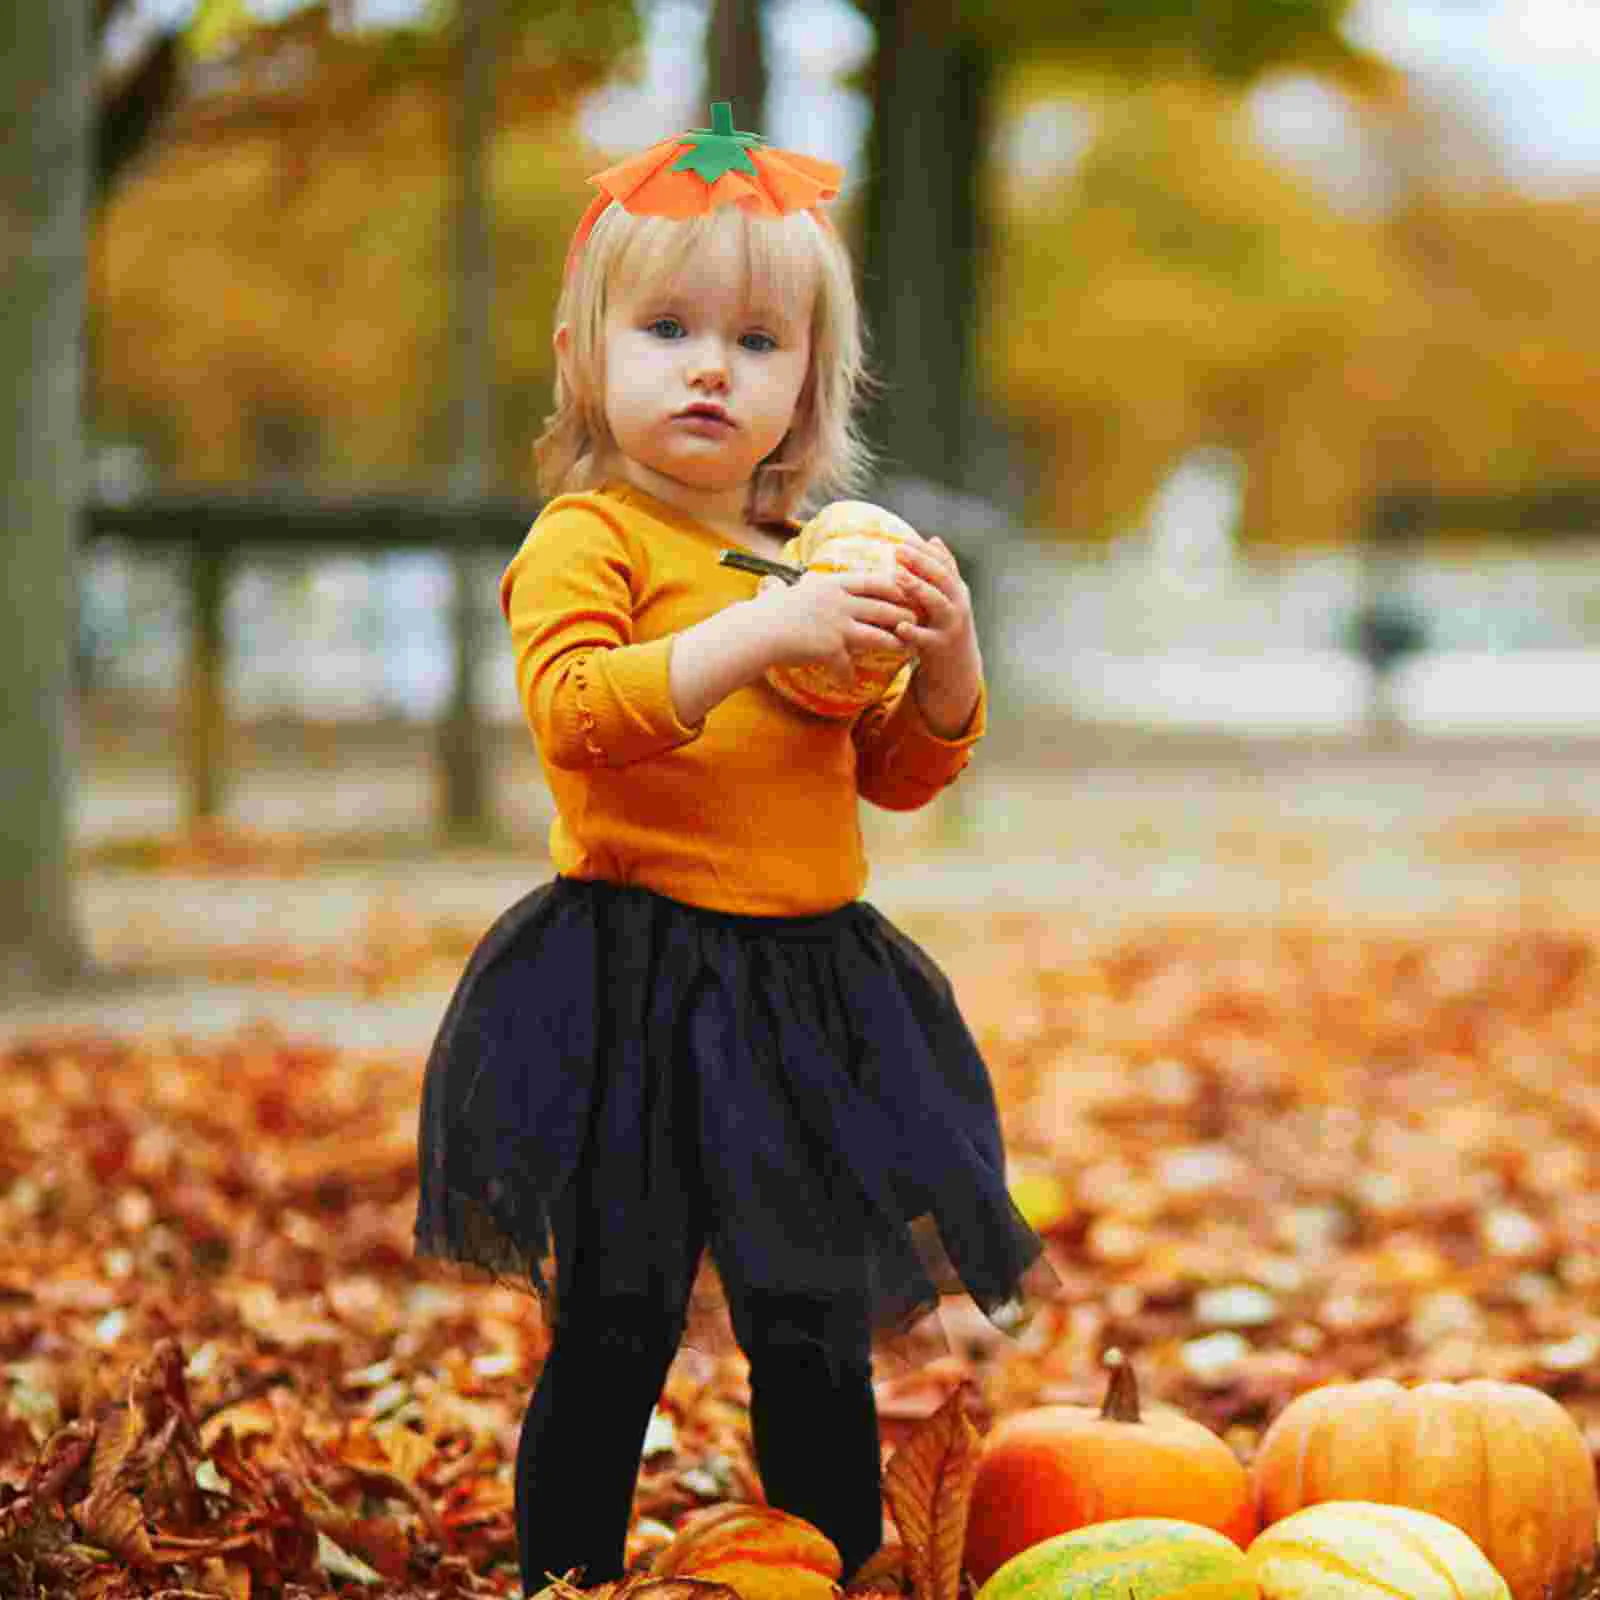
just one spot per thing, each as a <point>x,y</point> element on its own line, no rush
<point>700,383</point>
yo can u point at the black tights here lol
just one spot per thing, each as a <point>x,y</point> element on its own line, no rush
<point>813,1419</point>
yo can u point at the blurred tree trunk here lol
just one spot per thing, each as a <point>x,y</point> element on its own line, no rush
<point>44,179</point>
<point>463,767</point>
<point>923,236</point>
<point>133,104</point>
<point>736,62</point>
<point>204,700</point>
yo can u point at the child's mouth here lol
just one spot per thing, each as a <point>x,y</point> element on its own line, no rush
<point>711,414</point>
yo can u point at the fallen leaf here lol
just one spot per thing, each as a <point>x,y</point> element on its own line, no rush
<point>928,1483</point>
<point>110,1516</point>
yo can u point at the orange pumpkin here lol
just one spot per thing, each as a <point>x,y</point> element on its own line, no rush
<point>1052,1469</point>
<point>846,536</point>
<point>1504,1462</point>
<point>758,1552</point>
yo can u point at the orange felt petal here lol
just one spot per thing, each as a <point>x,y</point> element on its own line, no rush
<point>628,176</point>
<point>671,194</point>
<point>797,182</point>
<point>740,189</point>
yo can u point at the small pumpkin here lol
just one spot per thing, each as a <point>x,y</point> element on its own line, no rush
<point>1129,1558</point>
<point>758,1552</point>
<point>1502,1461</point>
<point>1359,1550</point>
<point>1049,1469</point>
<point>845,536</point>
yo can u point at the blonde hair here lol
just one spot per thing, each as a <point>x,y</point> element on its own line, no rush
<point>822,454</point>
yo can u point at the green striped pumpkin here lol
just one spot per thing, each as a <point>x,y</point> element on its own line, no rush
<point>1360,1550</point>
<point>1131,1558</point>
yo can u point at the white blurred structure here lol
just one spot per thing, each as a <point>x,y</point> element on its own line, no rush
<point>1172,628</point>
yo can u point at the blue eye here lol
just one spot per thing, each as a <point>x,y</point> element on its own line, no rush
<point>761,342</point>
<point>666,328</point>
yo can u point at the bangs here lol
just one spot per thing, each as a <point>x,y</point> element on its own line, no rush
<point>779,256</point>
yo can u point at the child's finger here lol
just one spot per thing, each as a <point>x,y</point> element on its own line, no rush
<point>873,585</point>
<point>872,638</point>
<point>931,587</point>
<point>932,559</point>
<point>935,601</point>
<point>916,563</point>
<point>885,614</point>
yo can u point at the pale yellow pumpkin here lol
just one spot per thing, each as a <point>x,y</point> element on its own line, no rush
<point>845,536</point>
<point>1504,1462</point>
<point>1358,1550</point>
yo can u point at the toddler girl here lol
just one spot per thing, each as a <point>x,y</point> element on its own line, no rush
<point>697,1037</point>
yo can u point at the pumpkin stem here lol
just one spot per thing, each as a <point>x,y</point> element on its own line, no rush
<point>1122,1392</point>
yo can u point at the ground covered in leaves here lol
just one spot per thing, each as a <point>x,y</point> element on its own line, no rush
<point>1264,1156</point>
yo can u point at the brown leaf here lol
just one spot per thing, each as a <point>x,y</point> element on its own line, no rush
<point>158,1393</point>
<point>929,1482</point>
<point>884,1575</point>
<point>60,1459</point>
<point>110,1516</point>
<point>884,1571</point>
<point>114,1521</point>
<point>158,1389</point>
<point>117,1436</point>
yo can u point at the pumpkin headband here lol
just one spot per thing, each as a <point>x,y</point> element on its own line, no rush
<point>693,173</point>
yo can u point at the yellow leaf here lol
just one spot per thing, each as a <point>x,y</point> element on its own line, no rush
<point>216,24</point>
<point>928,1482</point>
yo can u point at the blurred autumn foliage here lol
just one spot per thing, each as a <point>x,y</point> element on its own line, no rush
<point>271,284</point>
<point>1181,288</point>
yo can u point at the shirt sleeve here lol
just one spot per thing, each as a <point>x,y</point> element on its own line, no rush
<point>591,695</point>
<point>901,763</point>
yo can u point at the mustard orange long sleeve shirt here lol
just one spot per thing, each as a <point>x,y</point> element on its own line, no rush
<point>756,810</point>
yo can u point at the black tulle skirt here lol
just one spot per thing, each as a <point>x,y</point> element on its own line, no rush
<point>685,1104</point>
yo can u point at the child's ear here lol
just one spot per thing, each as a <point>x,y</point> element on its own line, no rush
<point>561,343</point>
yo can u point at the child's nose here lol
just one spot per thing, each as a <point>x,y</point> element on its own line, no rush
<point>707,362</point>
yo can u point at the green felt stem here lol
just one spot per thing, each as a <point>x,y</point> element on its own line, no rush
<point>719,149</point>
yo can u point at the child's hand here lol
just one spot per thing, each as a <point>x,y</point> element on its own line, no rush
<point>828,617</point>
<point>943,635</point>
